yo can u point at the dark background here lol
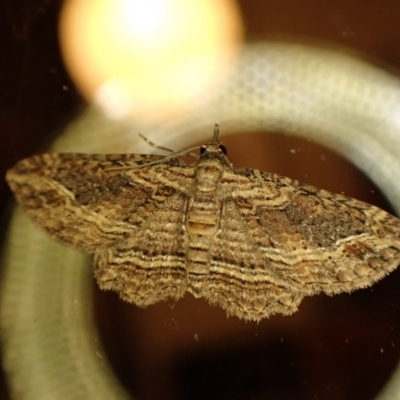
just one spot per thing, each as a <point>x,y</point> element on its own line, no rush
<point>344,347</point>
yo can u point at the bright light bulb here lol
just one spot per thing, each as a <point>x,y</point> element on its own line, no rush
<point>145,19</point>
<point>148,58</point>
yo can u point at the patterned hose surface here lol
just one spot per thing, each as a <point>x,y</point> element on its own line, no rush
<point>51,345</point>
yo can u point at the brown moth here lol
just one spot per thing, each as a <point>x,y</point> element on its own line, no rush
<point>253,242</point>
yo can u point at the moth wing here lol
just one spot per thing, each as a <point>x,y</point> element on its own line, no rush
<point>312,240</point>
<point>150,264</point>
<point>95,201</point>
<point>240,279</point>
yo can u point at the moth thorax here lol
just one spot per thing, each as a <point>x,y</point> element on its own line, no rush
<point>204,207</point>
<point>208,175</point>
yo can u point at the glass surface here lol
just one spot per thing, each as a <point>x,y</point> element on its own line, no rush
<point>342,347</point>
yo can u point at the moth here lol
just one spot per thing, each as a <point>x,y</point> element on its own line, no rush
<point>253,242</point>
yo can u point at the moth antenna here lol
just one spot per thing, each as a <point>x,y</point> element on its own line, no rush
<point>162,160</point>
<point>187,152</point>
<point>215,139</point>
<point>152,144</point>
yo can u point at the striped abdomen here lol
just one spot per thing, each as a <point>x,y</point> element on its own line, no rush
<point>202,221</point>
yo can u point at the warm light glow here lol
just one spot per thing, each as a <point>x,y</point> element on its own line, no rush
<point>146,19</point>
<point>141,58</point>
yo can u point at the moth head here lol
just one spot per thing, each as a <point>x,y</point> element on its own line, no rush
<point>221,147</point>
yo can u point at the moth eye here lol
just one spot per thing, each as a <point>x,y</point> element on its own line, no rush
<point>223,149</point>
<point>202,150</point>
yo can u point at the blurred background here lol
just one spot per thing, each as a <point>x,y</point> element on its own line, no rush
<point>344,347</point>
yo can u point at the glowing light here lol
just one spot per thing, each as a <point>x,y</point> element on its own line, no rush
<point>146,18</point>
<point>154,57</point>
